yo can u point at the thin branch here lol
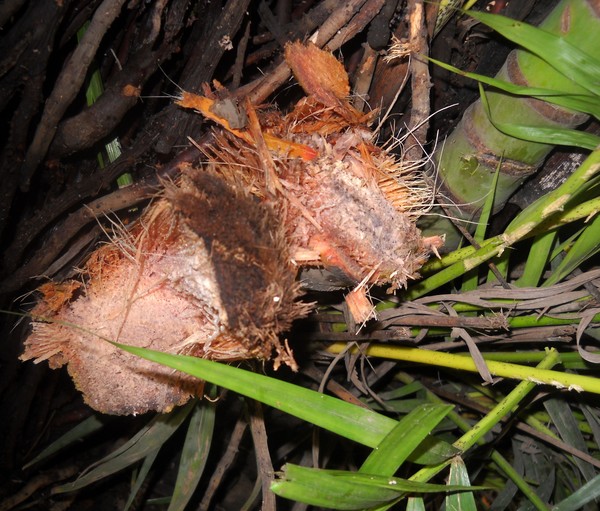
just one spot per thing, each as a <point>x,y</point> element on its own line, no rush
<point>67,86</point>
<point>225,462</point>
<point>263,458</point>
<point>420,82</point>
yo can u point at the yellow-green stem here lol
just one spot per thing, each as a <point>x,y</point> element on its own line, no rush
<point>529,374</point>
<point>496,457</point>
<point>476,433</point>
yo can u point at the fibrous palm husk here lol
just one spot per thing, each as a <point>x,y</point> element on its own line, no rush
<point>205,272</point>
<point>210,268</point>
<point>345,203</point>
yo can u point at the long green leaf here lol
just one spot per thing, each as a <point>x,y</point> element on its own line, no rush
<point>141,477</point>
<point>459,475</point>
<point>415,504</point>
<point>194,454</point>
<point>553,136</point>
<point>403,439</point>
<point>588,104</point>
<point>537,259</point>
<point>575,64</point>
<point>431,451</point>
<point>565,422</point>
<point>83,429</point>
<point>586,246</point>
<point>588,492</point>
<point>337,489</point>
<point>150,438</point>
<point>350,421</point>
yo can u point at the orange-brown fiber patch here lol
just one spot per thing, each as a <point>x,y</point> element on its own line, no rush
<point>205,272</point>
<point>319,73</point>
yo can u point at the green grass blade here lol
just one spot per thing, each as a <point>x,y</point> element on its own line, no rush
<point>581,497</point>
<point>459,476</point>
<point>141,477</point>
<point>415,504</point>
<point>337,489</point>
<point>403,439</point>
<point>554,135</point>
<point>588,104</point>
<point>565,422</point>
<point>83,429</point>
<point>538,257</point>
<point>149,439</point>
<point>194,454</point>
<point>350,421</point>
<point>575,64</point>
<point>586,246</point>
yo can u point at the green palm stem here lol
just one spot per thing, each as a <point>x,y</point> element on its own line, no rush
<point>502,463</point>
<point>581,211</point>
<point>474,434</point>
<point>523,226</point>
<point>470,156</point>
<point>558,379</point>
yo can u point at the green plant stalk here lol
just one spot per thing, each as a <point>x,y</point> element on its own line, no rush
<point>471,153</point>
<point>569,360</point>
<point>537,424</point>
<point>502,463</point>
<point>516,322</point>
<point>553,202</point>
<point>448,274</point>
<point>476,433</point>
<point>522,226</point>
<point>532,375</point>
<point>578,212</point>
<point>540,418</point>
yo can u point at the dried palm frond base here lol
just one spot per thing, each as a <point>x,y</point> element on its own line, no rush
<point>205,272</point>
<point>345,203</point>
<point>208,269</point>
